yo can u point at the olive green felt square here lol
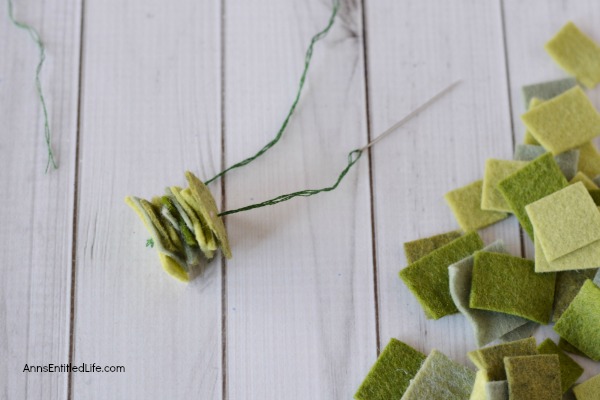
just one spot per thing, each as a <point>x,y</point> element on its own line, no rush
<point>565,221</point>
<point>440,379</point>
<point>570,371</point>
<point>585,180</point>
<point>496,390</point>
<point>465,204</point>
<point>495,171</point>
<point>533,377</point>
<point>487,325</point>
<point>580,323</point>
<point>419,248</point>
<point>576,53</point>
<point>536,180</point>
<point>567,162</point>
<point>546,90</point>
<point>584,258</point>
<point>508,284</point>
<point>589,160</point>
<point>564,122</point>
<point>391,374</point>
<point>568,284</point>
<point>522,332</point>
<point>428,279</point>
<point>569,348</point>
<point>491,359</point>
<point>588,390</point>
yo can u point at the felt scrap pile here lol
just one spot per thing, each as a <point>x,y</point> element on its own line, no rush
<point>552,187</point>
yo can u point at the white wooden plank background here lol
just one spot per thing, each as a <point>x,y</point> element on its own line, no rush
<point>312,292</point>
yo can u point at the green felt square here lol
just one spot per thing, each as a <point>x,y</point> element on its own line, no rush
<point>478,392</point>
<point>536,180</point>
<point>508,284</point>
<point>576,53</point>
<point>565,221</point>
<point>419,248</point>
<point>585,258</point>
<point>491,359</point>
<point>589,160</point>
<point>528,137</point>
<point>487,325</point>
<point>569,348</point>
<point>522,332</point>
<point>533,377</point>
<point>496,390</point>
<point>570,371</point>
<point>588,390</point>
<point>440,379</point>
<point>564,122</point>
<point>465,204</point>
<point>428,279</point>
<point>546,90</point>
<point>585,180</point>
<point>568,284</point>
<point>580,323</point>
<point>391,374</point>
<point>568,161</point>
<point>495,171</point>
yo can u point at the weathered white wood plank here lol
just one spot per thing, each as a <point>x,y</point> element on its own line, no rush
<point>151,110</point>
<point>528,26</point>
<point>414,50</point>
<point>300,306</point>
<point>37,211</point>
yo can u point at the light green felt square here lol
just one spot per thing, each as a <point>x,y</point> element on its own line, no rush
<point>465,203</point>
<point>478,392</point>
<point>508,284</point>
<point>546,90</point>
<point>589,160</point>
<point>419,248</point>
<point>495,171</point>
<point>391,374</point>
<point>491,359</point>
<point>588,390</point>
<point>533,377</point>
<point>536,180</point>
<point>568,161</point>
<point>570,371</point>
<point>576,53</point>
<point>580,323</point>
<point>585,258</point>
<point>564,122</point>
<point>565,221</point>
<point>528,137</point>
<point>568,284</point>
<point>440,379</point>
<point>428,279</point>
<point>585,180</point>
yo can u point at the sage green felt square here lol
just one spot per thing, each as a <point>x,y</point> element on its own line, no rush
<point>568,161</point>
<point>440,379</point>
<point>568,284</point>
<point>565,221</point>
<point>465,204</point>
<point>428,279</point>
<point>546,90</point>
<point>534,181</point>
<point>491,359</point>
<point>585,258</point>
<point>589,160</point>
<point>564,122</point>
<point>588,390</point>
<point>597,278</point>
<point>495,171</point>
<point>496,390</point>
<point>580,323</point>
<point>508,284</point>
<point>419,248</point>
<point>585,180</point>
<point>533,377</point>
<point>576,53</point>
<point>570,371</point>
<point>391,374</point>
<point>522,332</point>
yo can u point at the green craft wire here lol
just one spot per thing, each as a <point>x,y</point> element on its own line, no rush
<point>38,85</point>
<point>307,59</point>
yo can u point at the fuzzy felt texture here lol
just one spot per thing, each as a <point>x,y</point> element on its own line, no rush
<point>510,285</point>
<point>495,171</point>
<point>428,279</point>
<point>595,195</point>
<point>584,258</point>
<point>567,162</point>
<point>496,390</point>
<point>487,325</point>
<point>533,377</point>
<point>522,332</point>
<point>570,371</point>
<point>568,284</point>
<point>528,137</point>
<point>536,180</point>
<point>576,53</point>
<point>580,322</point>
<point>491,359</point>
<point>440,379</point>
<point>569,348</point>
<point>465,204</point>
<point>419,248</point>
<point>564,122</point>
<point>585,180</point>
<point>391,374</point>
<point>202,234</point>
<point>589,160</point>
<point>478,392</point>
<point>588,390</point>
<point>565,221</point>
<point>546,90</point>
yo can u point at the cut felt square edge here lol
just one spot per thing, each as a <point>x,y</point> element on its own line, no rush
<point>568,284</point>
<point>495,171</point>
<point>465,203</point>
<point>522,332</point>
<point>417,249</point>
<point>497,390</point>
<point>568,162</point>
<point>534,377</point>
<point>570,371</point>
<point>589,389</point>
<point>528,137</point>
<point>569,348</point>
<point>546,90</point>
<point>478,392</point>
<point>491,359</point>
<point>589,160</point>
<point>585,258</point>
<point>582,178</point>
